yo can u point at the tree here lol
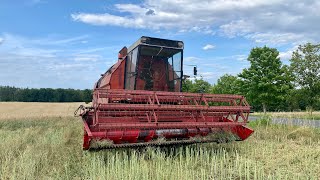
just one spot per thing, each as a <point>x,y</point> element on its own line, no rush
<point>305,66</point>
<point>87,95</point>
<point>200,86</point>
<point>8,93</point>
<point>266,80</point>
<point>186,85</point>
<point>227,84</point>
<point>297,100</point>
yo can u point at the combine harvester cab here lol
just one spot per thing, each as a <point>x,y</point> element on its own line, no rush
<point>138,102</point>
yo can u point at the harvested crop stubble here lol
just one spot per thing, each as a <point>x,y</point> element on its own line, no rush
<point>293,115</point>
<point>51,148</point>
<point>16,110</point>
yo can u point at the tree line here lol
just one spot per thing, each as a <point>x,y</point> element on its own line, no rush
<point>268,84</point>
<point>8,93</point>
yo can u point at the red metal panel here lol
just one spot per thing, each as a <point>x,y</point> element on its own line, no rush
<point>114,78</point>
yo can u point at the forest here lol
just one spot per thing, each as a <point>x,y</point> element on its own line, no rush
<point>8,93</point>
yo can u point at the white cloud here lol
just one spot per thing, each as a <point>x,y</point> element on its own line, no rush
<point>89,50</point>
<point>131,8</point>
<point>276,39</point>
<point>71,40</point>
<point>273,21</point>
<point>241,57</point>
<point>208,47</point>
<point>46,62</point>
<point>191,59</point>
<point>207,75</point>
<point>26,47</point>
<point>16,40</point>
<point>286,55</point>
<point>1,40</point>
<point>37,1</point>
<point>87,57</point>
<point>104,19</point>
<point>236,28</point>
<point>69,66</point>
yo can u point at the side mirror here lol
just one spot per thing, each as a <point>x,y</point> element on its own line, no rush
<point>195,71</point>
<point>184,77</point>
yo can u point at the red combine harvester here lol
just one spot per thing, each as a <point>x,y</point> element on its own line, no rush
<point>139,101</point>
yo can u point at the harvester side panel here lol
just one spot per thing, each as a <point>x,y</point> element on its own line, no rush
<point>114,77</point>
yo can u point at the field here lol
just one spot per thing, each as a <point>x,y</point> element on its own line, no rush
<point>43,141</point>
<point>293,115</point>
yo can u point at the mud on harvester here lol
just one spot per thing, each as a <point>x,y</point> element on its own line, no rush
<point>139,101</point>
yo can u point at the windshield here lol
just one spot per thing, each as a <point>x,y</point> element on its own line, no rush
<point>157,69</point>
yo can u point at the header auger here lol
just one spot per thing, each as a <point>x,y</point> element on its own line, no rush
<point>138,102</point>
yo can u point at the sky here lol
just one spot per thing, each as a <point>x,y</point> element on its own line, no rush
<point>68,44</point>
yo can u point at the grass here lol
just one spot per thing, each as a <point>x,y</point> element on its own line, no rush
<point>49,147</point>
<point>292,115</point>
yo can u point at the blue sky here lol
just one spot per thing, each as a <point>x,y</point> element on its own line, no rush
<point>68,44</point>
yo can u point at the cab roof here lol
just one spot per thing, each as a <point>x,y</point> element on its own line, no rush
<point>151,41</point>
